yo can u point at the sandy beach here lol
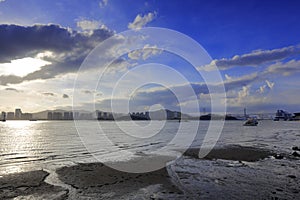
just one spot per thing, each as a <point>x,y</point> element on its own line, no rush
<point>231,172</point>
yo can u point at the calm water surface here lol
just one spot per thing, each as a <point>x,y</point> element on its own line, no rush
<point>28,145</point>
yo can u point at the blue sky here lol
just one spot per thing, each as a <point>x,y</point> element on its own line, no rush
<point>234,33</point>
<point>223,28</point>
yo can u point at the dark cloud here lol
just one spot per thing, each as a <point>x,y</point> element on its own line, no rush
<point>65,96</point>
<point>87,92</point>
<point>12,89</point>
<point>69,48</point>
<point>257,57</point>
<point>48,94</point>
<point>166,97</point>
<point>4,80</point>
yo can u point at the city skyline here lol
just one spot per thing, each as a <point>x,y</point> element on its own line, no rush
<point>254,44</point>
<point>161,114</point>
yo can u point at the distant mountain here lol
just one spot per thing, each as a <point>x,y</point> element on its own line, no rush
<point>41,115</point>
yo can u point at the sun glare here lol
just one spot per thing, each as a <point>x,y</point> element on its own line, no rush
<point>22,67</point>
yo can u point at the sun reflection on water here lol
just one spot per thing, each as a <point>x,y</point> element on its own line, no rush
<point>18,147</point>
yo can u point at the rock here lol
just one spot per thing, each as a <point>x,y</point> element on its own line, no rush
<point>278,156</point>
<point>296,154</point>
<point>296,148</point>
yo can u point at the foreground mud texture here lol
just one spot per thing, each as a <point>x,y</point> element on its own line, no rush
<point>29,185</point>
<point>229,172</point>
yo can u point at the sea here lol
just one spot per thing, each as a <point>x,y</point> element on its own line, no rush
<point>35,145</point>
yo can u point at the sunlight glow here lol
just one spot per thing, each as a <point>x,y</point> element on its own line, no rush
<point>22,67</point>
<point>23,136</point>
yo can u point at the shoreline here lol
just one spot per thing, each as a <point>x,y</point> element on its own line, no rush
<point>229,172</point>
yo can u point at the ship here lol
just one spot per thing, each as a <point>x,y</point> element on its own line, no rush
<point>283,115</point>
<point>251,122</point>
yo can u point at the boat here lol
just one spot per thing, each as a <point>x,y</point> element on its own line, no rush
<point>251,122</point>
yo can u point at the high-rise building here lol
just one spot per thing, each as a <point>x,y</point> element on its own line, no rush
<point>71,116</point>
<point>26,116</point>
<point>10,116</point>
<point>66,115</point>
<point>3,116</point>
<point>57,116</point>
<point>50,116</point>
<point>18,113</point>
<point>76,115</point>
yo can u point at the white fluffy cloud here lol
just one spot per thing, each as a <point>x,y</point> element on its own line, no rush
<point>140,21</point>
<point>88,25</point>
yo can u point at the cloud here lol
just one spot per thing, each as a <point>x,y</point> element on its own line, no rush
<point>2,1</point>
<point>270,84</point>
<point>28,65</point>
<point>244,92</point>
<point>144,53</point>
<point>63,48</point>
<point>4,80</point>
<point>87,92</point>
<point>12,89</point>
<point>239,82</point>
<point>119,65</point>
<point>48,94</point>
<point>228,77</point>
<point>254,58</point>
<point>65,96</point>
<point>103,3</point>
<point>237,88</point>
<point>286,69</point>
<point>262,89</point>
<point>88,25</point>
<point>140,21</point>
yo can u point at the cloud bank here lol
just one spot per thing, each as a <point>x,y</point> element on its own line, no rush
<point>254,58</point>
<point>65,49</point>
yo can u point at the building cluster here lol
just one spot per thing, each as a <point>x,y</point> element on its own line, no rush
<point>173,115</point>
<point>60,116</point>
<point>140,116</point>
<point>69,116</point>
<point>17,115</point>
<point>104,115</point>
<point>156,115</point>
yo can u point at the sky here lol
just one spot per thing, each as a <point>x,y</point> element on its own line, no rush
<point>255,46</point>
